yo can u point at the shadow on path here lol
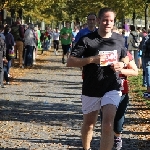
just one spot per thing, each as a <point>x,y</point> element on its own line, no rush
<point>53,114</point>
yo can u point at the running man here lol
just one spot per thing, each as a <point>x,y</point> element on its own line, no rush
<point>102,55</point>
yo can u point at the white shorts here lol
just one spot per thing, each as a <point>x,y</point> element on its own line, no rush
<point>90,104</point>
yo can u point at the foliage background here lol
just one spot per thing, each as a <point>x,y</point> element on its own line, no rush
<point>76,10</point>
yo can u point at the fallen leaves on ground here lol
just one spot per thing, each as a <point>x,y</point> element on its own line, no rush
<point>142,109</point>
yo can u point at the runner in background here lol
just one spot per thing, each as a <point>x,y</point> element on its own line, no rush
<point>129,70</point>
<point>66,39</point>
<point>56,35</point>
<point>74,34</point>
<point>91,27</point>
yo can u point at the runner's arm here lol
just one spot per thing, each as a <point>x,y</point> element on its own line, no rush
<point>132,69</point>
<point>125,60</point>
<point>78,62</point>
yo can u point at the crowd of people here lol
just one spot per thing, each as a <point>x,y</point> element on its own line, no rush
<point>21,42</point>
<point>106,56</point>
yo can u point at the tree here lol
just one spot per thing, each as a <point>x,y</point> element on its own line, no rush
<point>61,10</point>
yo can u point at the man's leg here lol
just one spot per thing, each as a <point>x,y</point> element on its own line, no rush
<point>136,57</point>
<point>89,121</point>
<point>57,45</point>
<point>1,74</point>
<point>63,53</point>
<point>13,60</point>
<point>54,43</point>
<point>107,137</point>
<point>119,121</point>
<point>120,114</point>
<point>147,75</point>
<point>144,70</point>
<point>20,50</point>
<point>34,55</point>
<point>68,50</point>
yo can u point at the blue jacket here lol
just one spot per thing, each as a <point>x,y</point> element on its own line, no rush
<point>9,40</point>
<point>82,32</point>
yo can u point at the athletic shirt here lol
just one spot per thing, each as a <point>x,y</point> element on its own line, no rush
<point>68,40</point>
<point>56,36</point>
<point>124,82</point>
<point>99,79</point>
<point>83,32</point>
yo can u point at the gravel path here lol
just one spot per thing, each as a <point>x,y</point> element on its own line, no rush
<point>43,112</point>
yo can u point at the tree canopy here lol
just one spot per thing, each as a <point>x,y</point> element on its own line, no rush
<point>61,10</point>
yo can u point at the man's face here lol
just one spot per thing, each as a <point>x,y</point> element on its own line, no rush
<point>19,21</point>
<point>67,25</point>
<point>91,21</point>
<point>106,22</point>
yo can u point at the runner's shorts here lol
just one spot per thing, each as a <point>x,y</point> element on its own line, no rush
<point>66,49</point>
<point>90,104</point>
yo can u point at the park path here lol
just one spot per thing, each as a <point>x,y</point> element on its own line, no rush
<point>42,111</point>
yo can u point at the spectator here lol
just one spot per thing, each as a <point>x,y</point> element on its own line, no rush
<point>125,38</point>
<point>131,39</point>
<point>30,44</point>
<point>17,31</point>
<point>9,40</point>
<point>35,31</point>
<point>3,59</point>
<point>146,64</point>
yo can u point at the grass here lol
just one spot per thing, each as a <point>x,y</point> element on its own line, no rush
<point>136,89</point>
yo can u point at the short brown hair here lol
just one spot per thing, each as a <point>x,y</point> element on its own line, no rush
<point>104,10</point>
<point>91,14</point>
<point>67,22</point>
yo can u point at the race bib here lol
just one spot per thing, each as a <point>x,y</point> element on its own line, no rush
<point>111,57</point>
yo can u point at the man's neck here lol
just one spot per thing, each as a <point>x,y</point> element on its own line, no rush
<point>91,29</point>
<point>104,34</point>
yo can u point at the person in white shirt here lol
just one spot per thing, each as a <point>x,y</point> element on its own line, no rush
<point>30,44</point>
<point>56,41</point>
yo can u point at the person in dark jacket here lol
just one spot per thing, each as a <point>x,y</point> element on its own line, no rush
<point>146,64</point>
<point>9,40</point>
<point>17,31</point>
<point>2,54</point>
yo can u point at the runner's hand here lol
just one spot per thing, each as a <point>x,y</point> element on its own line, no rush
<point>117,66</point>
<point>99,59</point>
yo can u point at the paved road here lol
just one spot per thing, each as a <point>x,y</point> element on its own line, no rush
<point>43,111</point>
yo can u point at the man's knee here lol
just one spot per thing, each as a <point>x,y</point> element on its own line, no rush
<point>88,126</point>
<point>90,120</point>
<point>108,112</point>
<point>107,125</point>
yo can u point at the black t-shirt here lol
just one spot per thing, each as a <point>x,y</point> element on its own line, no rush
<point>99,79</point>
